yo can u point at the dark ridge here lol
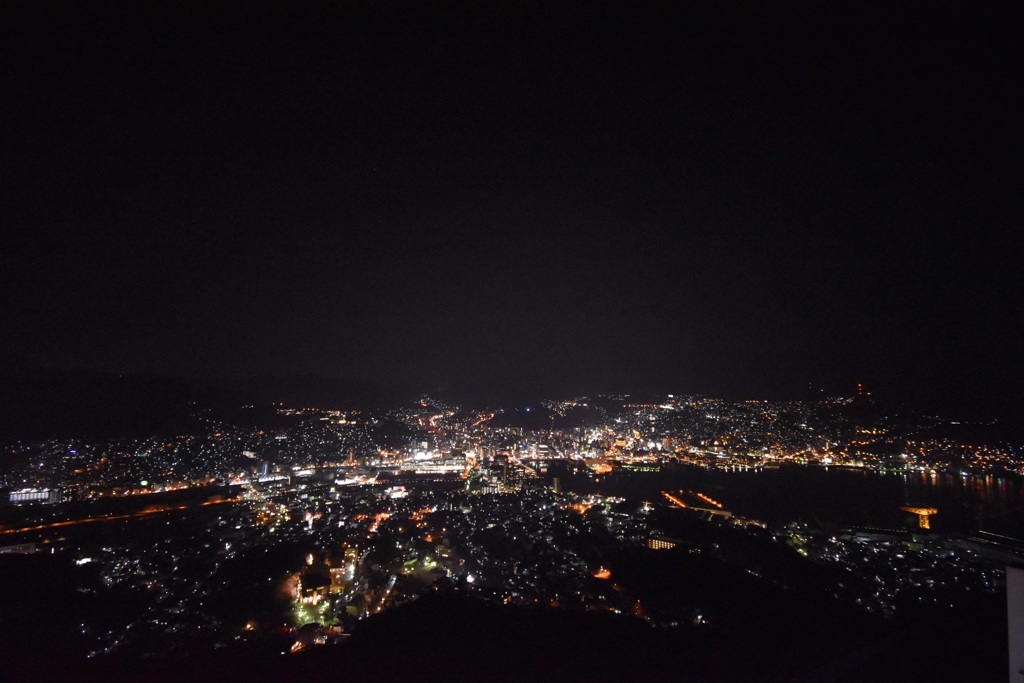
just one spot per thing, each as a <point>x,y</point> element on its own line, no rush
<point>100,405</point>
<point>447,637</point>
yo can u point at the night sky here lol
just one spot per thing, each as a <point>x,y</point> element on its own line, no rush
<point>722,198</point>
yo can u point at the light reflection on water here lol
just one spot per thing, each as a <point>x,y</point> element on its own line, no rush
<point>838,496</point>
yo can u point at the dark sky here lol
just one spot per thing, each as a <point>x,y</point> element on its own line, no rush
<point>720,198</point>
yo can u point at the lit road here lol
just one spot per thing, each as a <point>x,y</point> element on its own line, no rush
<point>90,520</point>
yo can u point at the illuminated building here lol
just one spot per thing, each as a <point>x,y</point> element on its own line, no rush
<point>661,543</point>
<point>34,496</point>
<point>312,589</point>
<point>314,582</point>
<point>338,581</point>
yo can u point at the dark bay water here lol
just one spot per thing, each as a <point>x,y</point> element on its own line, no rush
<point>833,495</point>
